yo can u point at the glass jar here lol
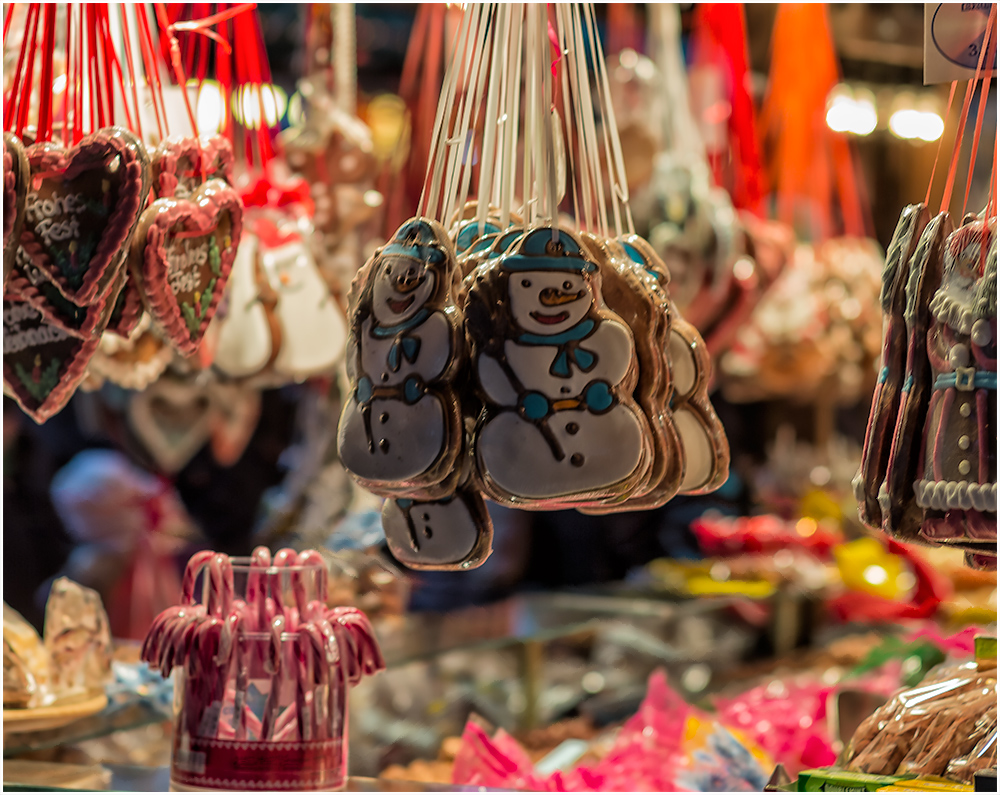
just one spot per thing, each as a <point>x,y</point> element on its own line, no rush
<point>259,697</point>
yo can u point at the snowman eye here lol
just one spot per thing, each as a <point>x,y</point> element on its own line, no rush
<point>525,283</point>
<point>567,285</point>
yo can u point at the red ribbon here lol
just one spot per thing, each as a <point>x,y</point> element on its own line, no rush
<point>264,193</point>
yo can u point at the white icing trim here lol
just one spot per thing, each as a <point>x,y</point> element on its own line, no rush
<point>858,484</point>
<point>953,312</point>
<point>944,495</point>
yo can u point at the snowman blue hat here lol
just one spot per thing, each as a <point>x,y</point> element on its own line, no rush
<point>499,243</point>
<point>533,254</point>
<point>469,234</point>
<point>416,239</point>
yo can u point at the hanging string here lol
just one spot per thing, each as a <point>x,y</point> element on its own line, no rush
<point>78,125</point>
<point>14,95</point>
<point>989,46</point>
<point>963,119</point>
<point>48,52</point>
<point>127,44</point>
<point>148,51</point>
<point>12,9</point>
<point>175,61</point>
<point>937,156</point>
<point>25,99</point>
<point>68,95</point>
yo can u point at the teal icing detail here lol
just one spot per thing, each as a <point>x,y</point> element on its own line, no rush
<point>412,390</point>
<point>535,405</point>
<point>363,391</point>
<point>598,396</point>
<point>983,379</point>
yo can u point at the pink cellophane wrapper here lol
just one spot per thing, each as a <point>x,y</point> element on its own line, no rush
<point>655,751</point>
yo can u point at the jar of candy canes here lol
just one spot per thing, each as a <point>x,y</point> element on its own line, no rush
<point>262,666</point>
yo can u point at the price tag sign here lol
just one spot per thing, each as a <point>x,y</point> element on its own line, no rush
<point>953,39</point>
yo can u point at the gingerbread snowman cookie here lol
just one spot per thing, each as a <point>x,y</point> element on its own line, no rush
<point>556,370</point>
<point>401,429</point>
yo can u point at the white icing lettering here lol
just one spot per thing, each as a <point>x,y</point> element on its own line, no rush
<point>15,342</point>
<point>186,260</point>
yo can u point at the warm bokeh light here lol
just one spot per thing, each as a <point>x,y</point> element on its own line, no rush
<point>910,124</point>
<point>247,105</point>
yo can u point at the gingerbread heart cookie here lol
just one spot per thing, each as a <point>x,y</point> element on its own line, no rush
<point>127,311</point>
<point>30,284</point>
<point>235,413</point>
<point>42,363</point>
<point>15,189</point>
<point>182,255</point>
<point>81,210</point>
<point>182,165</point>
<point>172,420</point>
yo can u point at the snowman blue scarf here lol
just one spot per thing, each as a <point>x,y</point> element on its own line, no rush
<point>404,346</point>
<point>569,352</point>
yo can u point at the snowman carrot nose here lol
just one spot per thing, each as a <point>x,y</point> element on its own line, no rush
<point>408,281</point>
<point>550,296</point>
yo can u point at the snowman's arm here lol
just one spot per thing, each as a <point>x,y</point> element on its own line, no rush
<point>435,346</point>
<point>615,351</point>
<point>352,359</point>
<point>495,382</point>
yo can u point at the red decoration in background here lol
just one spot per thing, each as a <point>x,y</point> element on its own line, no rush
<point>720,39</point>
<point>808,163</point>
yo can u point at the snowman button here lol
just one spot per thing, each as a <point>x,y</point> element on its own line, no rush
<point>572,428</point>
<point>964,442</point>
<point>384,417</point>
<point>982,334</point>
<point>576,460</point>
<point>965,410</point>
<point>964,467</point>
<point>385,376</point>
<point>383,445</point>
<point>958,356</point>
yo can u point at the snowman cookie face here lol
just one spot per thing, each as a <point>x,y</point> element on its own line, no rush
<point>549,302</point>
<point>402,287</point>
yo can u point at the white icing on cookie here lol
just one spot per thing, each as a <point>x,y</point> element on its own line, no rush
<point>945,495</point>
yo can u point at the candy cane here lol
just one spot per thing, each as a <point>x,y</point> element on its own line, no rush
<point>220,594</point>
<point>282,559</point>
<point>260,561</point>
<point>154,637</point>
<point>271,705</point>
<point>311,557</point>
<point>191,571</point>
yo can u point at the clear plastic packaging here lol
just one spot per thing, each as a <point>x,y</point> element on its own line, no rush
<point>941,727</point>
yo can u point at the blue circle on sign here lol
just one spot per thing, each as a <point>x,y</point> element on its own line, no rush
<point>960,51</point>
